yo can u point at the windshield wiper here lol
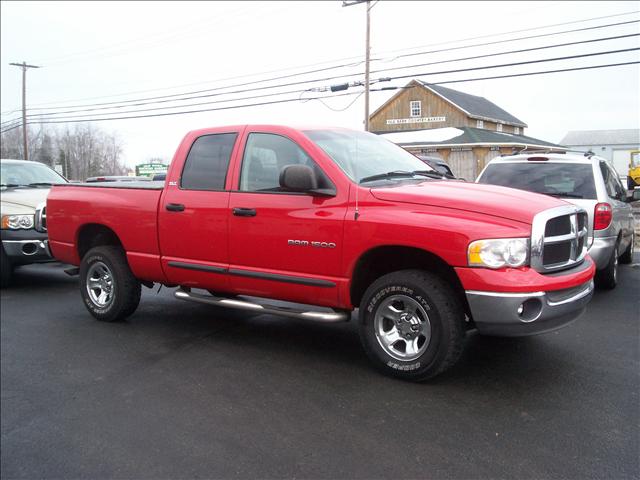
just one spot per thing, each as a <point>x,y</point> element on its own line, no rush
<point>40,184</point>
<point>402,173</point>
<point>562,194</point>
<point>392,174</point>
<point>14,185</point>
<point>430,173</point>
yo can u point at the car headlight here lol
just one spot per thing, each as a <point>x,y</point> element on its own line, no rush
<point>499,252</point>
<point>15,222</point>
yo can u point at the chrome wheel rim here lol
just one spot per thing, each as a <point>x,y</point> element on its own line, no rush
<point>100,285</point>
<point>615,265</point>
<point>402,327</point>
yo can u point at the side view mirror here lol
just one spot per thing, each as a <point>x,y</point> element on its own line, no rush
<point>298,178</point>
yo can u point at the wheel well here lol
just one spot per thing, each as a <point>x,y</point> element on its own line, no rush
<point>382,260</point>
<point>94,235</point>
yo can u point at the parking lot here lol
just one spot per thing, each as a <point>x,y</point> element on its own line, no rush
<point>187,391</point>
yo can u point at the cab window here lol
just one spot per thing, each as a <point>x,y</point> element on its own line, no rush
<point>265,156</point>
<point>207,162</point>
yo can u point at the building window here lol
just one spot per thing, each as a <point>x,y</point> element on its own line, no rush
<point>498,127</point>
<point>516,130</point>
<point>415,108</point>
<point>479,124</point>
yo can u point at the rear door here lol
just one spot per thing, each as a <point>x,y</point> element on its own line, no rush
<point>622,212</point>
<point>193,215</point>
<point>283,244</point>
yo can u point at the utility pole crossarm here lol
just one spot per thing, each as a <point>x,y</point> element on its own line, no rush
<point>24,66</point>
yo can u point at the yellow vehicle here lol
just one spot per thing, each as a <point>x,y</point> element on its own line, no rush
<point>633,178</point>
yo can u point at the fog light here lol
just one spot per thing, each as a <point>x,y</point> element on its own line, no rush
<point>530,310</point>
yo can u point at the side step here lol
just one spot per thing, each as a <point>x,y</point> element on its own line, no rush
<point>329,317</point>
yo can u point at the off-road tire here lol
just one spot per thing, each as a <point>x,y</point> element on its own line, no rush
<point>445,315</point>
<point>126,287</point>
<point>607,278</point>
<point>627,257</point>
<point>6,269</point>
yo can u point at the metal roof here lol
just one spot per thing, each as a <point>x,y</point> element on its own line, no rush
<point>466,136</point>
<point>474,106</point>
<point>586,138</point>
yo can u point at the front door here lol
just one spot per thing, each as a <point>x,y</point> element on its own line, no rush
<point>283,244</point>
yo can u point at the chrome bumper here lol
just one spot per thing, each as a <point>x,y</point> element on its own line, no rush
<point>522,314</point>
<point>601,250</point>
<point>27,251</point>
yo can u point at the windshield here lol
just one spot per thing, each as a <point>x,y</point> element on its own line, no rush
<point>24,174</point>
<point>361,155</point>
<point>568,180</point>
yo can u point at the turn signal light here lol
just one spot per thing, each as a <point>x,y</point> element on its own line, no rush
<point>602,216</point>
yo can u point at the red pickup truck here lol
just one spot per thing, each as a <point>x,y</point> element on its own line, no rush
<point>337,220</point>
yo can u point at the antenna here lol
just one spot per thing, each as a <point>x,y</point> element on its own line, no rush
<point>357,214</point>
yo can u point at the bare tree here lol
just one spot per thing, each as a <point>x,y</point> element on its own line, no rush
<point>83,150</point>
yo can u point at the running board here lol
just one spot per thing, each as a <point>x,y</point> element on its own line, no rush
<point>328,317</point>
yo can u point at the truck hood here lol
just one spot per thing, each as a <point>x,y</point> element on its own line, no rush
<point>493,200</point>
<point>17,201</point>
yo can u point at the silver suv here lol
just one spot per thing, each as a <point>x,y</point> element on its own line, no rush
<point>585,180</point>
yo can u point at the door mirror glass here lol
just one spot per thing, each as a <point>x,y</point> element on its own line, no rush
<point>298,178</point>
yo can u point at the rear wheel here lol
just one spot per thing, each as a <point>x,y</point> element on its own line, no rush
<point>607,278</point>
<point>627,256</point>
<point>6,269</point>
<point>411,325</point>
<point>109,290</point>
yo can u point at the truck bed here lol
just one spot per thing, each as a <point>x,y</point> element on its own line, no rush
<point>128,209</point>
<point>159,185</point>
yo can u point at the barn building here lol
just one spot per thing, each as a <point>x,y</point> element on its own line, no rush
<point>464,130</point>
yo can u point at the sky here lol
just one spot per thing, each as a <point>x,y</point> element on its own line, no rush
<point>98,52</point>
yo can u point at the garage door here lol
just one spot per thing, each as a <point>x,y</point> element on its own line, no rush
<point>621,161</point>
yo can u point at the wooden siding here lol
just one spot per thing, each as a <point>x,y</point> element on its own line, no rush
<point>432,106</point>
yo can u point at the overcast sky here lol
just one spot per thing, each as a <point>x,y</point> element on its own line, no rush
<point>96,52</point>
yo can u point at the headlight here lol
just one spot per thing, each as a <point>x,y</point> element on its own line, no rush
<point>499,252</point>
<point>15,222</point>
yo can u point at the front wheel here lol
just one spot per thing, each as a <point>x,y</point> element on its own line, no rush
<point>109,290</point>
<point>6,269</point>
<point>411,325</point>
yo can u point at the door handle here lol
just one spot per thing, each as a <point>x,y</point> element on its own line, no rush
<point>244,212</point>
<point>175,207</point>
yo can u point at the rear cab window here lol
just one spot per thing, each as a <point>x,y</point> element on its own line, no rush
<point>207,163</point>
<point>562,179</point>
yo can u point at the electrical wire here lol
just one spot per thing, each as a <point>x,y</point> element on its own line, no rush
<point>282,93</point>
<point>282,77</point>
<point>398,77</point>
<point>589,67</point>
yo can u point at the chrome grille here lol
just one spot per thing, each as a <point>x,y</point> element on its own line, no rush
<point>558,238</point>
<point>41,218</point>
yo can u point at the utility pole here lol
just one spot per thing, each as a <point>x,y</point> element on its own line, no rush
<point>24,66</point>
<point>367,57</point>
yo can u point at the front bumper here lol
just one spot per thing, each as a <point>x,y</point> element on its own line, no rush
<point>601,250</point>
<point>522,314</point>
<point>26,246</point>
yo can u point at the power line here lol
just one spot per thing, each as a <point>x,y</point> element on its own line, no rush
<point>352,63</point>
<point>513,75</point>
<point>375,71</point>
<point>590,67</point>
<point>514,64</point>
<point>486,67</point>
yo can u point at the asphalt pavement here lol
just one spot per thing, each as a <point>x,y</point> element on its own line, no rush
<point>189,391</point>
